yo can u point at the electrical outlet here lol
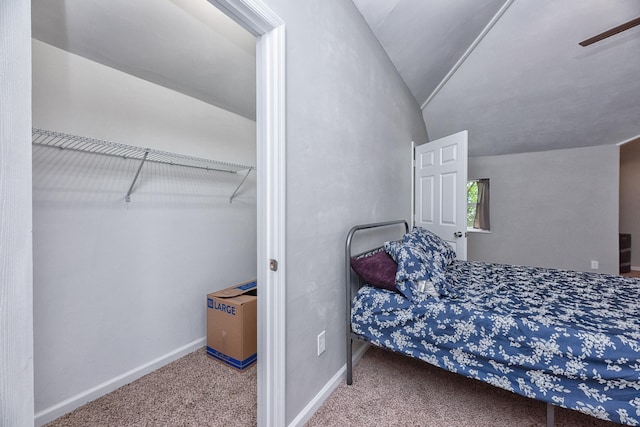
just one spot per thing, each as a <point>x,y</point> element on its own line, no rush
<point>594,265</point>
<point>321,343</point>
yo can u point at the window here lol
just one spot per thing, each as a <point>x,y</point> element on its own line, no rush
<point>478,205</point>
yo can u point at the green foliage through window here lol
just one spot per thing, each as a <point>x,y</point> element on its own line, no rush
<point>472,201</point>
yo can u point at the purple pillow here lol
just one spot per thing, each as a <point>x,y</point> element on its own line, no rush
<point>378,270</point>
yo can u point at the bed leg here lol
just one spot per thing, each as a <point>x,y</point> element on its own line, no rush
<point>349,361</point>
<point>550,415</point>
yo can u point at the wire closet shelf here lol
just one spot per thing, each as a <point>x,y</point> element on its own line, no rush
<point>63,141</point>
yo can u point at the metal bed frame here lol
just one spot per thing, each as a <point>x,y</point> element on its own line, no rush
<point>349,286</point>
<point>350,335</point>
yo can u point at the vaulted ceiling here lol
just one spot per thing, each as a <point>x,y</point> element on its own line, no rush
<point>511,72</point>
<point>525,85</point>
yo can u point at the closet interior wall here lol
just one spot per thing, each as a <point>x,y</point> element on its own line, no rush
<point>119,286</point>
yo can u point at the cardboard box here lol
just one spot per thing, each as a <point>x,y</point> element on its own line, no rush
<point>232,325</point>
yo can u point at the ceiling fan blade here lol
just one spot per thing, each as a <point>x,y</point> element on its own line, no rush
<point>611,32</point>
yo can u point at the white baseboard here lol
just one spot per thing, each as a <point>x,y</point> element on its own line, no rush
<point>635,268</point>
<point>55,411</point>
<point>326,391</point>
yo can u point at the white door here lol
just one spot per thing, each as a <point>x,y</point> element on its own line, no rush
<point>441,189</point>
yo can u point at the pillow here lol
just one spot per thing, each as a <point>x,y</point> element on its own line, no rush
<point>378,270</point>
<point>415,266</point>
<point>430,242</point>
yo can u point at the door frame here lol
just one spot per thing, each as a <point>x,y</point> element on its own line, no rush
<point>254,16</point>
<point>16,270</point>
<point>269,29</point>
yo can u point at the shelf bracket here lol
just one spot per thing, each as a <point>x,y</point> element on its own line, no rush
<point>127,198</point>
<point>240,185</point>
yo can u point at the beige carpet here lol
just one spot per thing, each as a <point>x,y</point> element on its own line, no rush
<point>393,390</point>
<point>388,390</point>
<point>192,391</point>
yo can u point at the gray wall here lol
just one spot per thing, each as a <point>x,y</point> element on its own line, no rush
<point>16,325</point>
<point>350,122</point>
<point>551,209</point>
<point>630,197</point>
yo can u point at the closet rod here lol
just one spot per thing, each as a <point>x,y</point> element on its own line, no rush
<point>63,141</point>
<point>83,144</point>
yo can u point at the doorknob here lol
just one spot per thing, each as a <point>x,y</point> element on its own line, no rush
<point>457,234</point>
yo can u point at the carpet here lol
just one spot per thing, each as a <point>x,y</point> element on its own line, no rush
<point>390,389</point>
<point>195,390</point>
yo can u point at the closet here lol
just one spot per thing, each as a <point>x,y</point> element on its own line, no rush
<point>144,201</point>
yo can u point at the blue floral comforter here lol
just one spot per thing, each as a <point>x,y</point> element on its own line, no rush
<point>564,337</point>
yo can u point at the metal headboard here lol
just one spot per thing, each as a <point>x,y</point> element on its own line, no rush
<point>350,335</point>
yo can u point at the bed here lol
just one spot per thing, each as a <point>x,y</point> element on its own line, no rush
<point>571,339</point>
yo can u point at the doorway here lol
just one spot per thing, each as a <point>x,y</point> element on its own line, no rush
<point>629,210</point>
<point>269,30</point>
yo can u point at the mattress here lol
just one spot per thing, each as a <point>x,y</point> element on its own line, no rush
<point>564,337</point>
